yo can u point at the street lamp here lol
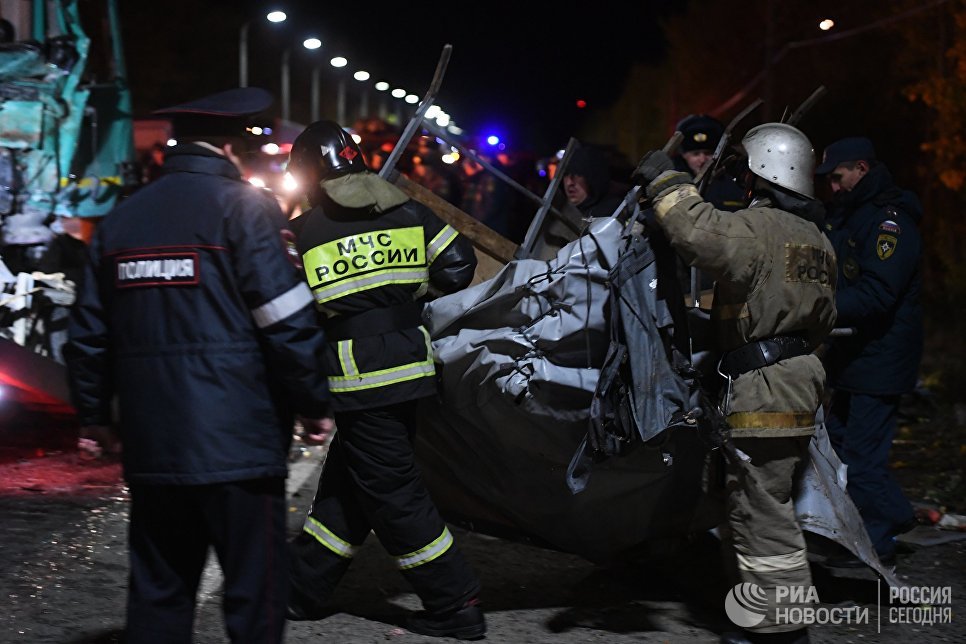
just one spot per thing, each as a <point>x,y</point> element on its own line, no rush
<point>308,43</point>
<point>316,70</point>
<point>314,43</point>
<point>272,16</point>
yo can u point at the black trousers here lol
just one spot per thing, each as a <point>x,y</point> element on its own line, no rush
<point>172,527</point>
<point>861,428</point>
<point>371,482</point>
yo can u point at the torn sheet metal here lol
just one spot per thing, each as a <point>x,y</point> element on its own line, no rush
<point>825,508</point>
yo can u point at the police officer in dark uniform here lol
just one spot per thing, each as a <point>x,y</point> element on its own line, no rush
<point>874,226</point>
<point>701,135</point>
<point>195,315</point>
<point>370,253</point>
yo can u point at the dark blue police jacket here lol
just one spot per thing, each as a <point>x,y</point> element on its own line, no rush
<point>194,314</point>
<point>875,231</point>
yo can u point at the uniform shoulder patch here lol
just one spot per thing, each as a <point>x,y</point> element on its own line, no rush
<point>889,226</point>
<point>885,245</point>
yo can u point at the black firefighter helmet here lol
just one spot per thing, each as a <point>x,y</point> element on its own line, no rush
<point>323,151</point>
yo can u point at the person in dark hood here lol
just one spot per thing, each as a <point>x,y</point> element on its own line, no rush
<point>874,227</point>
<point>587,183</point>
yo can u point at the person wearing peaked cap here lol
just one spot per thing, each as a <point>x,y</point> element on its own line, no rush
<point>848,150</point>
<point>701,135</point>
<point>874,227</point>
<point>194,315</point>
<point>370,253</point>
<point>222,114</point>
<point>232,103</point>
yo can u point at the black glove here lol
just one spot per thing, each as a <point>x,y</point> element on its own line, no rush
<point>656,173</point>
<point>648,220</point>
<point>651,166</point>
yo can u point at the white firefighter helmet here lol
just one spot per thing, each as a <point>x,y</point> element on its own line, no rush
<point>782,155</point>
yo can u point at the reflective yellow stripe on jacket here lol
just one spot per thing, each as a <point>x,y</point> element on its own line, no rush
<point>354,380</point>
<point>440,242</point>
<point>368,260</point>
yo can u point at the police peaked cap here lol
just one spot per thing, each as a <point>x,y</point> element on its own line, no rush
<point>853,148</point>
<point>221,114</point>
<point>701,132</point>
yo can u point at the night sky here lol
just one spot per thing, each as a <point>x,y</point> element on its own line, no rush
<point>517,68</point>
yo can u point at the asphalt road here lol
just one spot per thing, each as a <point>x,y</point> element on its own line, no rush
<point>63,577</point>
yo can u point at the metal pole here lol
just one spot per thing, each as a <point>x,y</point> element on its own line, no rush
<point>364,104</point>
<point>243,54</point>
<point>769,86</point>
<point>340,103</point>
<point>120,69</point>
<point>439,132</point>
<point>316,71</point>
<point>38,21</point>
<point>285,84</point>
<point>417,119</point>
<point>530,239</point>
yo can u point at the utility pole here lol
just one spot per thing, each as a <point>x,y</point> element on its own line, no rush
<point>768,89</point>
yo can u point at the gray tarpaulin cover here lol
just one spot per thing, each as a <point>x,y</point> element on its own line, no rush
<point>519,359</point>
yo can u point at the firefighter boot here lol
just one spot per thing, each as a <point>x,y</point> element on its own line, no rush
<point>466,623</point>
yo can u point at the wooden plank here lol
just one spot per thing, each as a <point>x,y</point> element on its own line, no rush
<point>484,238</point>
<point>486,267</point>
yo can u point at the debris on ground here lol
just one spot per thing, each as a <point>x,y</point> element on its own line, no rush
<point>59,472</point>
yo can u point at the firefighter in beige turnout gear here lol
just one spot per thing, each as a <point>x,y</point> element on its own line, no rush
<point>773,305</point>
<point>369,253</point>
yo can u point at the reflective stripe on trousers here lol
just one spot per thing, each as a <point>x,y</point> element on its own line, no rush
<point>427,553</point>
<point>433,550</point>
<point>328,539</point>
<point>772,563</point>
